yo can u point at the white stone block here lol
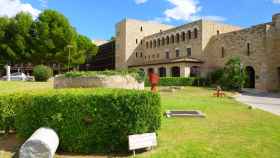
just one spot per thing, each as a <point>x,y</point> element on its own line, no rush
<point>42,144</point>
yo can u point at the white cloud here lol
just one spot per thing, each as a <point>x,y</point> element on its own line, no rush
<point>44,3</point>
<point>140,1</point>
<point>182,10</point>
<point>276,1</point>
<point>11,7</point>
<point>185,10</point>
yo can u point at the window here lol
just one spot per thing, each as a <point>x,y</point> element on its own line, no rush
<point>248,49</point>
<point>151,44</point>
<point>162,72</point>
<point>155,43</point>
<point>158,42</point>
<point>167,40</point>
<point>223,52</point>
<point>147,45</point>
<point>141,54</point>
<point>136,54</point>
<point>162,41</point>
<point>195,33</point>
<point>189,52</point>
<point>177,52</point>
<point>141,28</point>
<point>183,36</point>
<point>141,42</point>
<point>136,40</point>
<point>218,32</point>
<point>189,34</point>
<point>167,55</point>
<point>177,38</point>
<point>172,39</point>
<point>195,71</point>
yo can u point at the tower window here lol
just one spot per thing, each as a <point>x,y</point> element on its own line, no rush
<point>136,41</point>
<point>141,42</point>
<point>223,52</point>
<point>183,36</point>
<point>162,41</point>
<point>141,28</point>
<point>189,52</point>
<point>177,38</point>
<point>195,33</point>
<point>167,55</point>
<point>248,49</point>
<point>177,52</point>
<point>189,34</point>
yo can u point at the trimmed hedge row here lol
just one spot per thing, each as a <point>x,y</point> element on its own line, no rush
<point>180,81</point>
<point>87,120</point>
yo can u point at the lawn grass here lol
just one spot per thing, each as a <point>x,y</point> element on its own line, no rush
<point>230,130</point>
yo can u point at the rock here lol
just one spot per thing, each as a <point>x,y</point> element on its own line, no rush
<point>42,144</point>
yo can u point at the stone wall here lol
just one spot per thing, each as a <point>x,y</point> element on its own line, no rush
<point>123,82</point>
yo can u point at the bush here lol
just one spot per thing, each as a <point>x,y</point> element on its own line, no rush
<point>136,73</point>
<point>42,73</point>
<point>180,81</point>
<point>88,120</point>
<point>234,76</point>
<point>216,76</point>
<point>7,112</point>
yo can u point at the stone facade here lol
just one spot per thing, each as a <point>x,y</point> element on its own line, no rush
<point>197,48</point>
<point>123,82</point>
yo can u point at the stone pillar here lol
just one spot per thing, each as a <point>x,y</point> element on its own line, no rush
<point>168,71</point>
<point>184,71</point>
<point>42,144</point>
<point>8,72</point>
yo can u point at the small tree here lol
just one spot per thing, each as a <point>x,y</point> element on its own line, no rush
<point>234,76</point>
<point>42,73</point>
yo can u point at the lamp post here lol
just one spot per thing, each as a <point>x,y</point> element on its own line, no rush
<point>69,55</point>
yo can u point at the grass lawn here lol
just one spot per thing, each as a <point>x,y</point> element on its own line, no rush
<point>230,129</point>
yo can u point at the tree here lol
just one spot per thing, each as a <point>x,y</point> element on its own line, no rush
<point>53,33</point>
<point>234,76</point>
<point>85,49</point>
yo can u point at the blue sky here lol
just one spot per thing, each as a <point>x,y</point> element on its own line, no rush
<point>97,18</point>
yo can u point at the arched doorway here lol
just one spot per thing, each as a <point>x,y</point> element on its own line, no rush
<point>250,80</point>
<point>151,70</point>
<point>162,72</point>
<point>195,71</point>
<point>175,71</point>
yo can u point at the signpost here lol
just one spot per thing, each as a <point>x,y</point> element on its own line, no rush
<point>140,141</point>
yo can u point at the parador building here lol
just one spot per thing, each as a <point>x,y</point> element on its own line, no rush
<point>195,49</point>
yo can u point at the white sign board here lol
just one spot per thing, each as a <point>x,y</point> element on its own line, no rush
<point>140,141</point>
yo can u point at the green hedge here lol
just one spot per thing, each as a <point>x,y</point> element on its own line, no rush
<point>87,120</point>
<point>180,81</point>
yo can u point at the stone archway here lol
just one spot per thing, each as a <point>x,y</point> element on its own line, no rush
<point>162,71</point>
<point>175,71</point>
<point>251,76</point>
<point>195,71</point>
<point>151,70</point>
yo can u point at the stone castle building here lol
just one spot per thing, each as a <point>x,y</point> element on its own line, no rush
<point>197,48</point>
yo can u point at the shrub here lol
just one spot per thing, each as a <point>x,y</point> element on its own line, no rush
<point>7,112</point>
<point>216,76</point>
<point>234,76</point>
<point>136,73</point>
<point>42,73</point>
<point>180,81</point>
<point>89,120</point>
